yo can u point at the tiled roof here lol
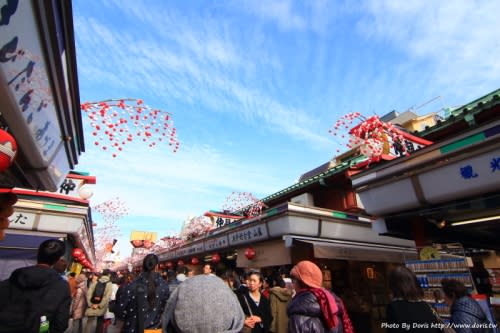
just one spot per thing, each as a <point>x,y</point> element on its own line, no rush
<point>483,103</point>
<point>307,182</point>
<point>478,105</point>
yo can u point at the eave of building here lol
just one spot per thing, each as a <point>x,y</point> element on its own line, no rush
<point>299,187</point>
<point>55,198</point>
<point>464,115</point>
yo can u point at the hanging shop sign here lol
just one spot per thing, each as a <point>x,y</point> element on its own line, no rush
<point>144,239</point>
<point>220,219</point>
<point>247,235</point>
<point>167,255</point>
<point>29,104</point>
<point>269,253</point>
<point>191,249</point>
<point>216,243</point>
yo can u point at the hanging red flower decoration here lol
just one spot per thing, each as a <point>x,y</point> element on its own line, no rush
<point>250,253</point>
<point>243,202</point>
<point>115,123</point>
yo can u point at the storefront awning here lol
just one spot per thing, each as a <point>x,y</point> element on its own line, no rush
<point>332,249</point>
<point>273,253</point>
<point>23,246</point>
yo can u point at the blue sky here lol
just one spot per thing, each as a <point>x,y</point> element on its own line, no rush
<point>254,86</point>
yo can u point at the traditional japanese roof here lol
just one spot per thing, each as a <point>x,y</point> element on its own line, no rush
<point>315,178</point>
<point>466,113</point>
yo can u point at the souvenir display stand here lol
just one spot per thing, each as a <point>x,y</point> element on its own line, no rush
<point>436,263</point>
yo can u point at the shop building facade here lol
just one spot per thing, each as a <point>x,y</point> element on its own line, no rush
<point>40,109</point>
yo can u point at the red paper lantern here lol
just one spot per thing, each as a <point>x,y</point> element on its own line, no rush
<point>81,257</point>
<point>137,243</point>
<point>162,265</point>
<point>215,258</point>
<point>169,265</point>
<point>250,253</point>
<point>77,252</point>
<point>8,150</point>
<point>180,263</point>
<point>194,261</point>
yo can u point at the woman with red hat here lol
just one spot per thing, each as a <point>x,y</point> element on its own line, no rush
<point>314,308</point>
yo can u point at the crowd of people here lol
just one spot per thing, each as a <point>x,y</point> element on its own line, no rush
<point>42,298</point>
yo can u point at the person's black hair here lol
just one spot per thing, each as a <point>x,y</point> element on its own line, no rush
<point>280,282</point>
<point>403,284</point>
<point>270,281</point>
<point>181,270</point>
<point>72,274</point>
<point>454,289</point>
<point>171,275</point>
<point>149,264</point>
<point>212,267</point>
<point>50,251</point>
<point>106,272</point>
<point>257,273</point>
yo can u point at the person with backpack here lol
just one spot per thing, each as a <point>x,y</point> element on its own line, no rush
<point>36,296</point>
<point>142,302</point>
<point>98,297</point>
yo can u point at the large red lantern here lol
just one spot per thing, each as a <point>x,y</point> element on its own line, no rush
<point>162,265</point>
<point>169,265</point>
<point>81,257</point>
<point>77,252</point>
<point>194,261</point>
<point>250,253</point>
<point>180,263</point>
<point>215,258</point>
<point>8,150</point>
<point>137,243</point>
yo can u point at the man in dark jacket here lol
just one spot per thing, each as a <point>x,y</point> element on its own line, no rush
<point>36,294</point>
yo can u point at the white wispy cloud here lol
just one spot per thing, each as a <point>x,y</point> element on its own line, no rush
<point>459,38</point>
<point>161,184</point>
<point>200,64</point>
<point>315,16</point>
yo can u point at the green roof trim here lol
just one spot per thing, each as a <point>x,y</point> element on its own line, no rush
<point>330,172</point>
<point>462,143</point>
<point>464,112</point>
<point>54,207</point>
<point>339,214</point>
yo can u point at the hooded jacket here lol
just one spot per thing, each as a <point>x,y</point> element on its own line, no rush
<point>102,306</point>
<point>464,313</point>
<point>46,289</point>
<point>279,298</point>
<point>304,315</point>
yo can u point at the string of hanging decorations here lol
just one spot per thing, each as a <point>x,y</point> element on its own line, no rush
<point>243,202</point>
<point>371,135</point>
<point>118,122</point>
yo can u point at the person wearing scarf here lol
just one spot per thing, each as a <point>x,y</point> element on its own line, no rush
<point>314,308</point>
